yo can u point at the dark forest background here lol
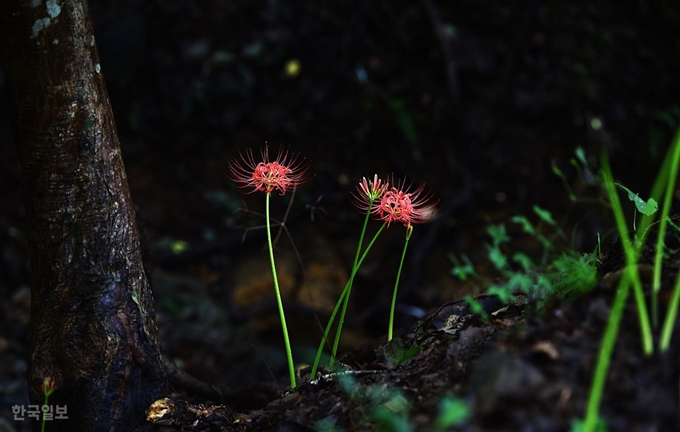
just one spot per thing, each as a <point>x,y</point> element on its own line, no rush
<point>478,99</point>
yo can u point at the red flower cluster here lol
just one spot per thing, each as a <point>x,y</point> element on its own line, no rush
<point>284,172</point>
<point>48,386</point>
<point>390,204</point>
<point>395,204</point>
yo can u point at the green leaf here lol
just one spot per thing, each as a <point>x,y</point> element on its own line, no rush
<point>581,156</point>
<point>523,282</point>
<point>544,241</point>
<point>527,227</point>
<point>348,383</point>
<point>647,208</point>
<point>326,425</point>
<point>476,307</point>
<point>558,172</point>
<point>542,285</point>
<point>544,215</point>
<point>574,274</point>
<point>462,269</point>
<point>452,412</point>
<point>504,292</point>
<point>497,257</point>
<point>498,234</point>
<point>523,260</point>
<point>651,207</point>
<point>391,414</point>
<point>396,354</point>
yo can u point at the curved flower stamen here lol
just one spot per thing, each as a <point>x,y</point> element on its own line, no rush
<point>368,192</point>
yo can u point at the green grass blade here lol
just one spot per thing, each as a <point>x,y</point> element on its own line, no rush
<point>671,316</point>
<point>672,313</point>
<point>608,340</point>
<point>631,253</point>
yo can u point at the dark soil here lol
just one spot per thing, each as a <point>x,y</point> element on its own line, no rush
<point>475,98</point>
<point>526,369</point>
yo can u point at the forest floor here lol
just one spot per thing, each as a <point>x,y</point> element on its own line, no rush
<point>526,368</point>
<point>480,100</point>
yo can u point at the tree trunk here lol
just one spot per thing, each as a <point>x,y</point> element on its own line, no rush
<point>93,328</point>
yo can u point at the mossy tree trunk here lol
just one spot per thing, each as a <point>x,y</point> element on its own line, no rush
<point>92,320</point>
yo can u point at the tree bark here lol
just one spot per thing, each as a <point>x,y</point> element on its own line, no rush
<point>93,327</point>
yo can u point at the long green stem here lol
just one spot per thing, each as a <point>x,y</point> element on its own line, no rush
<point>409,230</point>
<point>48,387</point>
<point>348,288</point>
<point>282,315</point>
<point>671,315</point>
<point>606,349</point>
<point>670,182</point>
<point>672,312</point>
<point>317,359</point>
<point>42,426</point>
<point>631,253</point>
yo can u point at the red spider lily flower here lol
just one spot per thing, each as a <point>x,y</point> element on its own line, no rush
<point>400,204</point>
<point>369,191</point>
<point>282,173</point>
<point>48,386</point>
